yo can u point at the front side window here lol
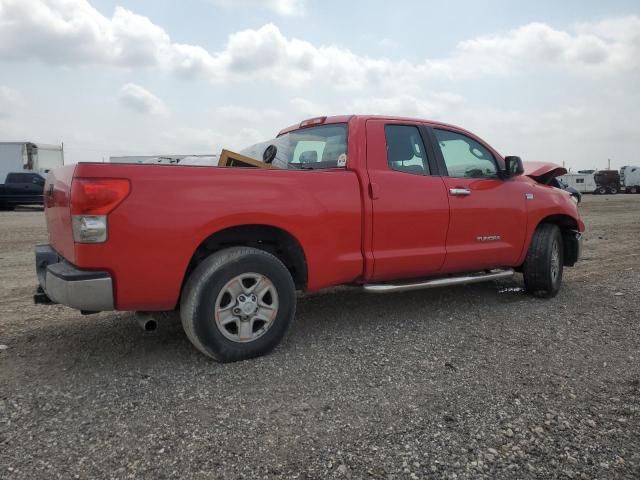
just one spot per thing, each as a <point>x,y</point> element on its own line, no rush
<point>464,157</point>
<point>405,149</point>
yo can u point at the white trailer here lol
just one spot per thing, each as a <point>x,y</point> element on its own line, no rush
<point>630,178</point>
<point>12,159</point>
<point>582,182</point>
<point>47,157</point>
<point>28,156</point>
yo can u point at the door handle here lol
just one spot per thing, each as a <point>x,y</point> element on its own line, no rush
<point>460,191</point>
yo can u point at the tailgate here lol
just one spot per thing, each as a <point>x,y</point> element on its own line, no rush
<point>57,190</point>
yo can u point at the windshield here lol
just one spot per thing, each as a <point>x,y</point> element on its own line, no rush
<point>308,148</point>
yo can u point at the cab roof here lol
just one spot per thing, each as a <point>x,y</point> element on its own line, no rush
<point>347,118</point>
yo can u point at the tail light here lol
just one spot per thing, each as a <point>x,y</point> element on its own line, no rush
<point>92,199</point>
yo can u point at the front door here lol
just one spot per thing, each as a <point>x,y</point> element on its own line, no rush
<point>488,214</point>
<point>410,205</point>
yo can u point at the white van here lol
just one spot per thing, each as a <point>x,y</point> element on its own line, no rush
<point>582,182</point>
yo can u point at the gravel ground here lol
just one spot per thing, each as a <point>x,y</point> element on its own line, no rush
<point>470,382</point>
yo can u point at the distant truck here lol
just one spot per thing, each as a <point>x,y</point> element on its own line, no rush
<point>607,181</point>
<point>23,166</point>
<point>21,188</point>
<point>630,178</point>
<point>18,157</point>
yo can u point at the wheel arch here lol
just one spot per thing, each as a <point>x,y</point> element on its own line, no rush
<point>569,226</point>
<point>275,240</point>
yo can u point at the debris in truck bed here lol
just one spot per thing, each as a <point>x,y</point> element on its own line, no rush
<point>234,159</point>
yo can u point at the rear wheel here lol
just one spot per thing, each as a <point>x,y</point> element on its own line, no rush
<point>543,267</point>
<point>633,190</point>
<point>601,190</point>
<point>238,304</point>
<point>613,190</point>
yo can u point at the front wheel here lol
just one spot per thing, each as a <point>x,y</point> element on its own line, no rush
<point>238,304</point>
<point>543,267</point>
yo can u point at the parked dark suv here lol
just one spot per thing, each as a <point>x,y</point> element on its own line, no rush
<point>24,188</point>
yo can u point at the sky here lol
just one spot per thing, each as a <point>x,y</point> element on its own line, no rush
<point>550,81</point>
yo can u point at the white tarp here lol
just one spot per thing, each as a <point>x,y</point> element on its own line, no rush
<point>257,150</point>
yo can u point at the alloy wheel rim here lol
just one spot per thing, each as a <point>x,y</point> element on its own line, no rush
<point>246,307</point>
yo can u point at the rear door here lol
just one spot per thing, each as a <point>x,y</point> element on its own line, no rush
<point>488,214</point>
<point>410,205</point>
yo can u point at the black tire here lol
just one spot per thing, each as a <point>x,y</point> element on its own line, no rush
<point>613,190</point>
<point>542,272</point>
<point>601,190</point>
<point>205,284</point>
<point>633,190</point>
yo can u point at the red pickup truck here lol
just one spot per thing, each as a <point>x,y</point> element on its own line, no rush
<point>383,203</point>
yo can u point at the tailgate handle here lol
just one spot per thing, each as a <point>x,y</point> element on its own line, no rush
<point>462,192</point>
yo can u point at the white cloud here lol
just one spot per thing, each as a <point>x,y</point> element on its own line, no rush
<point>281,7</point>
<point>73,32</point>
<point>140,100</point>
<point>10,101</point>
<point>307,107</point>
<point>601,47</point>
<point>434,107</point>
<point>596,66</point>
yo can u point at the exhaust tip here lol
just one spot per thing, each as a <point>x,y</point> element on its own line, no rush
<point>147,322</point>
<point>150,326</point>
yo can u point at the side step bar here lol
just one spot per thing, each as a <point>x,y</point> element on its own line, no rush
<point>439,282</point>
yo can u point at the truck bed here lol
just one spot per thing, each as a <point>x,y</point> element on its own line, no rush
<point>171,210</point>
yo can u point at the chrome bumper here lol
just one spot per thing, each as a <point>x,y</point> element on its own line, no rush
<point>65,284</point>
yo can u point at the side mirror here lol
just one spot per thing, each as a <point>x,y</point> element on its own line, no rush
<point>513,166</point>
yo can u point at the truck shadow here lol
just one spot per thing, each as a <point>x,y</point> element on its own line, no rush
<point>339,316</point>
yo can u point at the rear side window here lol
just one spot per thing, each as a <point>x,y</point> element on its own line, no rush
<point>464,157</point>
<point>405,150</point>
<point>317,147</point>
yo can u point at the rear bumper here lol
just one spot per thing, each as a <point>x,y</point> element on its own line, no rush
<point>65,284</point>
